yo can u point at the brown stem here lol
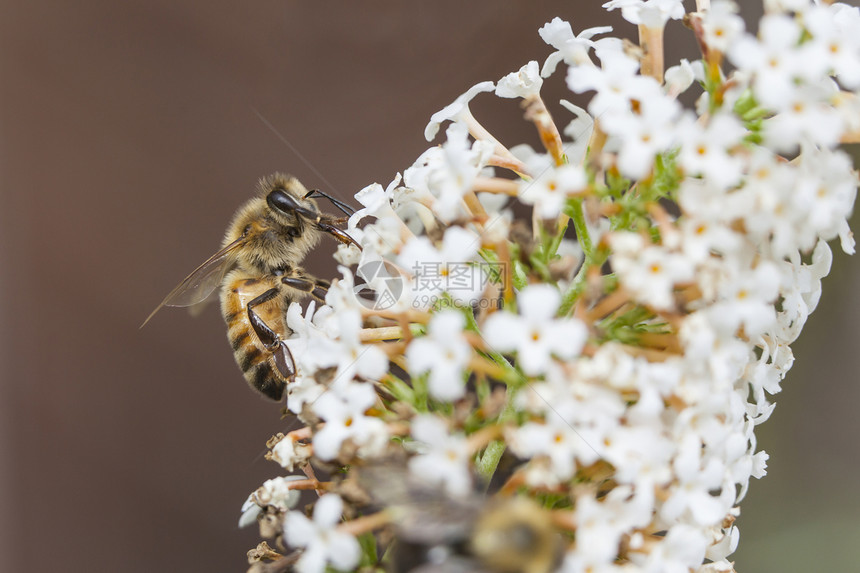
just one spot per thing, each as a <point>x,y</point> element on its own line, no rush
<point>537,113</point>
<point>850,137</point>
<point>481,365</point>
<point>381,333</point>
<point>563,519</point>
<point>478,211</point>
<point>651,41</point>
<point>496,185</point>
<point>478,440</point>
<point>504,252</point>
<point>667,342</point>
<point>595,146</point>
<point>366,523</point>
<point>411,315</point>
<point>649,354</point>
<point>662,218</point>
<point>510,162</point>
<point>608,304</point>
<point>309,471</point>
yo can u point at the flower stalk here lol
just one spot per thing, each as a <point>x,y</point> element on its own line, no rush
<point>610,313</point>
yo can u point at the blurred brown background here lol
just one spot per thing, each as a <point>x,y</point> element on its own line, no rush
<point>129,137</point>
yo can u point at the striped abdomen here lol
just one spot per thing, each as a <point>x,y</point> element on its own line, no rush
<point>259,365</point>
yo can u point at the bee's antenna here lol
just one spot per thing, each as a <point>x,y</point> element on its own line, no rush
<point>344,207</point>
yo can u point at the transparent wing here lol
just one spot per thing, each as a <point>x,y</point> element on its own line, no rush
<point>426,515</point>
<point>202,281</point>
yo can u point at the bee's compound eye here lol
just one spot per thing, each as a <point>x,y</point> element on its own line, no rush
<point>279,200</point>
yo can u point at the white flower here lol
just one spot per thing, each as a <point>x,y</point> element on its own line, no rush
<point>615,81</point>
<point>328,339</point>
<point>705,150</point>
<point>600,525</point>
<point>445,352</point>
<point>679,78</point>
<point>551,186</point>
<point>456,110</point>
<point>312,344</point>
<point>442,175</point>
<point>447,269</point>
<point>747,300</point>
<point>571,48</point>
<point>642,135</point>
<point>555,448</point>
<point>323,543</point>
<point>773,60</point>
<point>343,411</point>
<point>642,455</point>
<point>275,492</point>
<point>303,390</point>
<point>835,45</point>
<point>804,117</point>
<point>649,13</point>
<point>682,549</point>
<point>649,272</point>
<point>787,5</point>
<point>579,130</point>
<point>449,175</point>
<point>722,25</point>
<point>353,358</point>
<point>524,84</point>
<point>651,426</point>
<point>443,459</point>
<point>535,334</point>
<point>290,453</point>
<point>375,201</point>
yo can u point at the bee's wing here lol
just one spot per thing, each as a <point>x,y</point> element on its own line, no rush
<point>197,286</point>
<point>426,514</point>
<point>453,564</point>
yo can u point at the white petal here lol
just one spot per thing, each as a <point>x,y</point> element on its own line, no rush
<point>328,510</point>
<point>343,550</point>
<point>503,331</point>
<point>539,302</point>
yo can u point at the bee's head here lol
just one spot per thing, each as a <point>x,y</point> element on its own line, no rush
<point>288,200</point>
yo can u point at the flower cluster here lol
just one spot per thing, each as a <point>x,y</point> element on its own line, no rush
<point>603,360</point>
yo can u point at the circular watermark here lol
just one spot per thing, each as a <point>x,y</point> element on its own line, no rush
<point>382,287</point>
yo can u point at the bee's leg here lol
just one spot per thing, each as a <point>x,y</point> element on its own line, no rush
<point>338,234</point>
<point>271,339</point>
<point>315,287</point>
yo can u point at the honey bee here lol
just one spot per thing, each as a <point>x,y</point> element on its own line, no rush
<point>259,273</point>
<point>438,533</point>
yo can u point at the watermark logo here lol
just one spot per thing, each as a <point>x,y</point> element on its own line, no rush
<point>431,284</point>
<point>383,286</point>
<point>466,284</point>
